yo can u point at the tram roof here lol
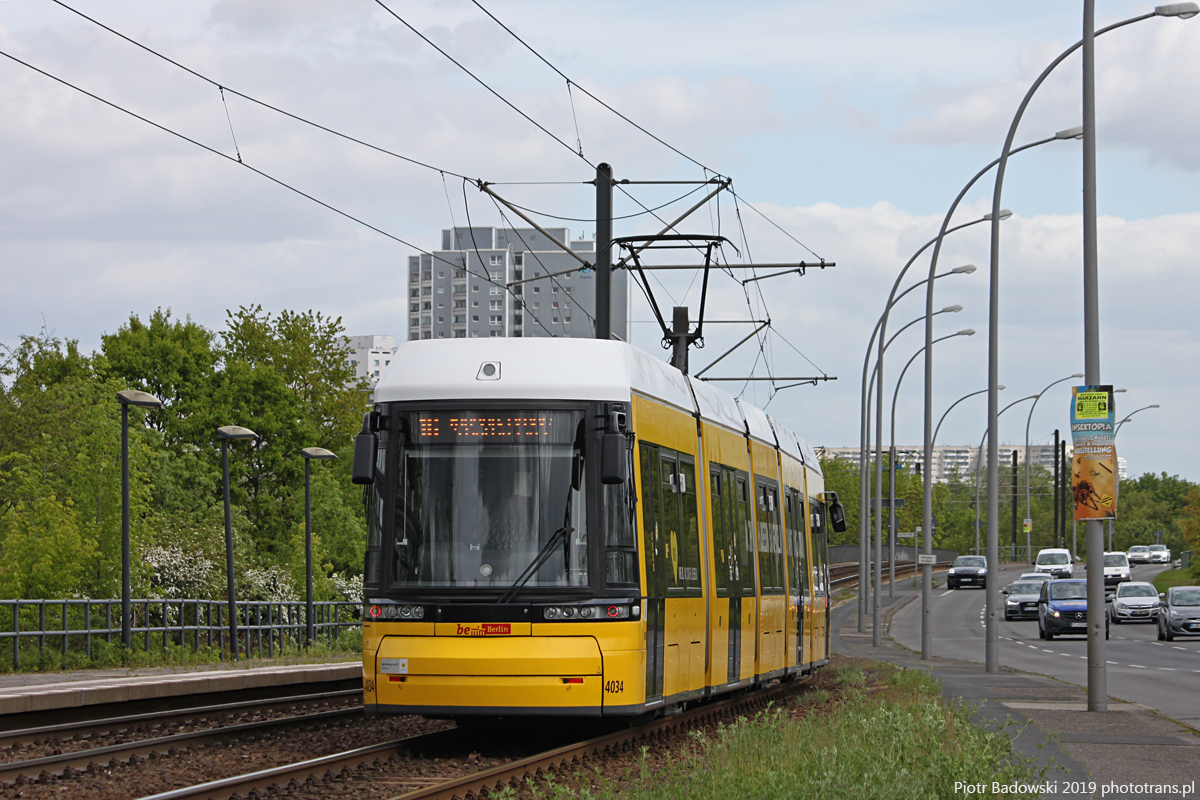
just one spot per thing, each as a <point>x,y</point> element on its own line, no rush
<point>566,369</point>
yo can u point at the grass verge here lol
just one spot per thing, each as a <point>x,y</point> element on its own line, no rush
<point>866,729</point>
<point>1173,577</point>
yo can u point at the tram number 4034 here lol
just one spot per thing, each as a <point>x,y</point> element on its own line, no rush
<point>614,687</point>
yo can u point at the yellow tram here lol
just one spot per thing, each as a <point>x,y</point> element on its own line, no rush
<point>572,527</point>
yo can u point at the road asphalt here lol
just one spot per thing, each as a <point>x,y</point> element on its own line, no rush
<point>1130,752</point>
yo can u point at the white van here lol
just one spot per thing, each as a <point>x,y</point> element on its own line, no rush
<point>1056,562</point>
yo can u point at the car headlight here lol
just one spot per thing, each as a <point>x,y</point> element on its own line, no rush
<point>953,571</point>
<point>1055,613</point>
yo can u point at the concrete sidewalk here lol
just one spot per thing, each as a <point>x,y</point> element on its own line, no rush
<point>1129,752</point>
<point>47,691</point>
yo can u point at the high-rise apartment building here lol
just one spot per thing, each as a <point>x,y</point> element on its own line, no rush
<point>370,354</point>
<point>462,290</point>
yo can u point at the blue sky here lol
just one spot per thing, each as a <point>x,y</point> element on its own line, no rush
<point>852,130</point>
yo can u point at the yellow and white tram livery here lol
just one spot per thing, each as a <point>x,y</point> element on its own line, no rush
<point>572,527</point>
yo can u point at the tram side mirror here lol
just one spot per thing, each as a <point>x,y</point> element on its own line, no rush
<point>366,445</point>
<point>837,513</point>
<point>614,451</point>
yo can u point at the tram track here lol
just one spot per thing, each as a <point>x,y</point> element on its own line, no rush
<point>392,764</point>
<point>82,731</point>
<point>65,764</point>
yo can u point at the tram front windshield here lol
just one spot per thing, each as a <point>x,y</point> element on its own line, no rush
<point>481,495</point>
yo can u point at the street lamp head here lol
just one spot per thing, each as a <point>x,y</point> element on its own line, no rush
<point>1156,405</point>
<point>317,452</point>
<point>1070,133</point>
<point>1005,213</point>
<point>236,432</point>
<point>1001,388</point>
<point>954,309</point>
<point>1118,391</point>
<point>1080,375</point>
<point>966,332</point>
<point>132,397</point>
<point>965,269</point>
<point>1181,10</point>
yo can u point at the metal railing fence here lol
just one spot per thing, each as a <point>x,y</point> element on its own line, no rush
<point>74,625</point>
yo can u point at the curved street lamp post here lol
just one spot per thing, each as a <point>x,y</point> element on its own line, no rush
<point>927,511</point>
<point>309,454</point>
<point>127,398</point>
<point>227,433</point>
<point>864,475</point>
<point>892,463</point>
<point>877,638</point>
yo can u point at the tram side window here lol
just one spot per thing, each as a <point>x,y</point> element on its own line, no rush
<point>620,539</point>
<point>722,551</point>
<point>375,514</point>
<point>688,570</point>
<point>820,567</point>
<point>770,545</point>
<point>670,521</point>
<point>796,556</point>
<point>743,530</point>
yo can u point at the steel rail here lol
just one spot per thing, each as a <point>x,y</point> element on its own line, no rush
<point>470,785</point>
<point>33,768</point>
<point>7,738</point>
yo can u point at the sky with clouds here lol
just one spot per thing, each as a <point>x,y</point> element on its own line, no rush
<point>847,130</point>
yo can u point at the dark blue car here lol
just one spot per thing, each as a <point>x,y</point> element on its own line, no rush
<point>1063,609</point>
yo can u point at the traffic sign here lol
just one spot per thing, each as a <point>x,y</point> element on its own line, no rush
<point>926,558</point>
<point>906,534</point>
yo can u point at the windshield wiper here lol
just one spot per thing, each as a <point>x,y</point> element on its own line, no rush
<point>563,533</point>
<point>537,562</point>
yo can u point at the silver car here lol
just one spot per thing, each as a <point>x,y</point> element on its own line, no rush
<point>1139,554</point>
<point>1021,599</point>
<point>1159,554</point>
<point>1179,613</point>
<point>1135,601</point>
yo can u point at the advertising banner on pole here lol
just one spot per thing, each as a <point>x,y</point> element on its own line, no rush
<point>1094,465</point>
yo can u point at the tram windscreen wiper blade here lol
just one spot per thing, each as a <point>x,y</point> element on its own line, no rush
<point>537,563</point>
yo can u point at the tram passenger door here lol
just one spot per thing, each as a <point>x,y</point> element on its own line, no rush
<point>656,567</point>
<point>675,634</point>
<point>797,567</point>
<point>727,606</point>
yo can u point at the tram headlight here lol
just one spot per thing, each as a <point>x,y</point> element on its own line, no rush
<point>406,612</point>
<point>392,612</point>
<point>591,612</point>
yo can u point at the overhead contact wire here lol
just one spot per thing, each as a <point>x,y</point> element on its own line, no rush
<point>255,100</point>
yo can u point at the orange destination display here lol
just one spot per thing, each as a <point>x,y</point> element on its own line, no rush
<point>1094,465</point>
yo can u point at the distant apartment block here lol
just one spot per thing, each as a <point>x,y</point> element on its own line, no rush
<point>463,290</point>
<point>370,355</point>
<point>951,460</point>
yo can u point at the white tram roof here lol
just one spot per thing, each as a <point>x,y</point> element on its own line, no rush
<point>566,369</point>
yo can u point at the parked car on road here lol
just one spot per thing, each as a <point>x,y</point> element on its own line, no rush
<point>1055,562</point>
<point>1034,576</point>
<point>1021,600</point>
<point>1116,569</point>
<point>1139,554</point>
<point>967,571</point>
<point>1063,609</point>
<point>1159,554</point>
<point>1135,601</point>
<point>1179,613</point>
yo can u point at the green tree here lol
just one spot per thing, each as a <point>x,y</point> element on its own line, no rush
<point>43,551</point>
<point>174,360</point>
